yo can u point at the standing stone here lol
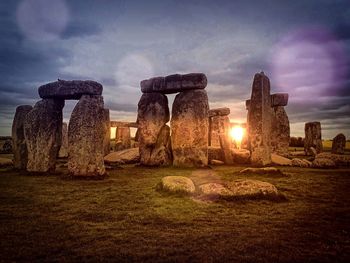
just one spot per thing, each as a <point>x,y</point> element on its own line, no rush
<point>153,133</point>
<point>107,138</point>
<point>43,132</point>
<point>259,121</point>
<point>218,125</point>
<point>86,135</point>
<point>189,128</point>
<point>313,137</point>
<point>64,144</point>
<point>280,131</point>
<point>20,152</point>
<point>122,138</point>
<point>338,144</point>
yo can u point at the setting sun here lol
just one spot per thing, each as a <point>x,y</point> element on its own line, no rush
<point>236,134</point>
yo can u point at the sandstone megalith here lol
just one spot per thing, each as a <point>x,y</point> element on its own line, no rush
<point>20,152</point>
<point>338,144</point>
<point>174,83</point>
<point>153,133</point>
<point>122,138</point>
<point>43,131</point>
<point>280,131</point>
<point>63,152</point>
<point>107,138</point>
<point>86,135</point>
<point>70,89</point>
<point>259,121</point>
<point>313,138</point>
<point>189,128</point>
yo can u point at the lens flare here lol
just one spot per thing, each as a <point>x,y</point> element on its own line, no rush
<point>236,134</point>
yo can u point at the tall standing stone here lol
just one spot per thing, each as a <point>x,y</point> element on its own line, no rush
<point>313,137</point>
<point>64,144</point>
<point>86,135</point>
<point>153,133</point>
<point>338,144</point>
<point>43,131</point>
<point>122,138</point>
<point>219,124</point>
<point>20,152</point>
<point>190,128</point>
<point>280,131</point>
<point>107,138</point>
<point>259,126</point>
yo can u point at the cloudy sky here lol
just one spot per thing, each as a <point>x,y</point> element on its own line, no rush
<point>302,45</point>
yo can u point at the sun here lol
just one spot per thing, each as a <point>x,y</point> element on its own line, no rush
<point>236,134</point>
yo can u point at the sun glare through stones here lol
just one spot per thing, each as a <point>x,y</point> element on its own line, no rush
<point>41,20</point>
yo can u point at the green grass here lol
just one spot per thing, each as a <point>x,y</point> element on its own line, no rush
<point>123,218</point>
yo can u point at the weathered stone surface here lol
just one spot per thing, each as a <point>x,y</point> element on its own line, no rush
<point>265,170</point>
<point>296,153</point>
<point>219,112</point>
<point>216,162</point>
<point>313,137</point>
<point>122,138</point>
<point>107,138</point>
<point>63,152</point>
<point>301,162</point>
<point>42,132</point>
<point>296,142</point>
<point>280,160</point>
<point>252,189</point>
<point>160,153</point>
<point>259,121</point>
<point>323,163</point>
<point>280,131</point>
<point>215,153</point>
<point>86,133</point>
<point>189,128</point>
<point>215,190</point>
<point>6,144</point>
<point>123,124</point>
<point>174,83</point>
<point>279,99</point>
<point>339,159</point>
<point>153,133</point>
<point>126,156</point>
<point>219,126</point>
<point>241,156</point>
<point>338,144</point>
<point>177,184</point>
<point>70,89</point>
<point>20,152</point>
<point>5,162</point>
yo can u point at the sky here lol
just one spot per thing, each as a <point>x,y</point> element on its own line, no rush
<point>303,46</point>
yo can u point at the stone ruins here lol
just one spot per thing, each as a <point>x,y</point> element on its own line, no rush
<point>338,144</point>
<point>267,121</point>
<point>313,138</point>
<point>188,144</point>
<point>37,132</point>
<point>195,134</point>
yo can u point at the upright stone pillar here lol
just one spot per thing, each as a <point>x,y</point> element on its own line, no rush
<point>338,144</point>
<point>122,138</point>
<point>153,133</point>
<point>107,138</point>
<point>64,144</point>
<point>313,137</point>
<point>219,124</point>
<point>190,128</point>
<point>20,152</point>
<point>42,132</point>
<point>260,121</point>
<point>86,135</point>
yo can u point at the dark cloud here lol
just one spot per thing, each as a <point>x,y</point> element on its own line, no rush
<point>227,40</point>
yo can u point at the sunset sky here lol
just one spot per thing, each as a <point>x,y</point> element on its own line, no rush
<point>303,46</point>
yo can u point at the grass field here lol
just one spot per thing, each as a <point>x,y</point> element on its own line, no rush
<point>123,219</point>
